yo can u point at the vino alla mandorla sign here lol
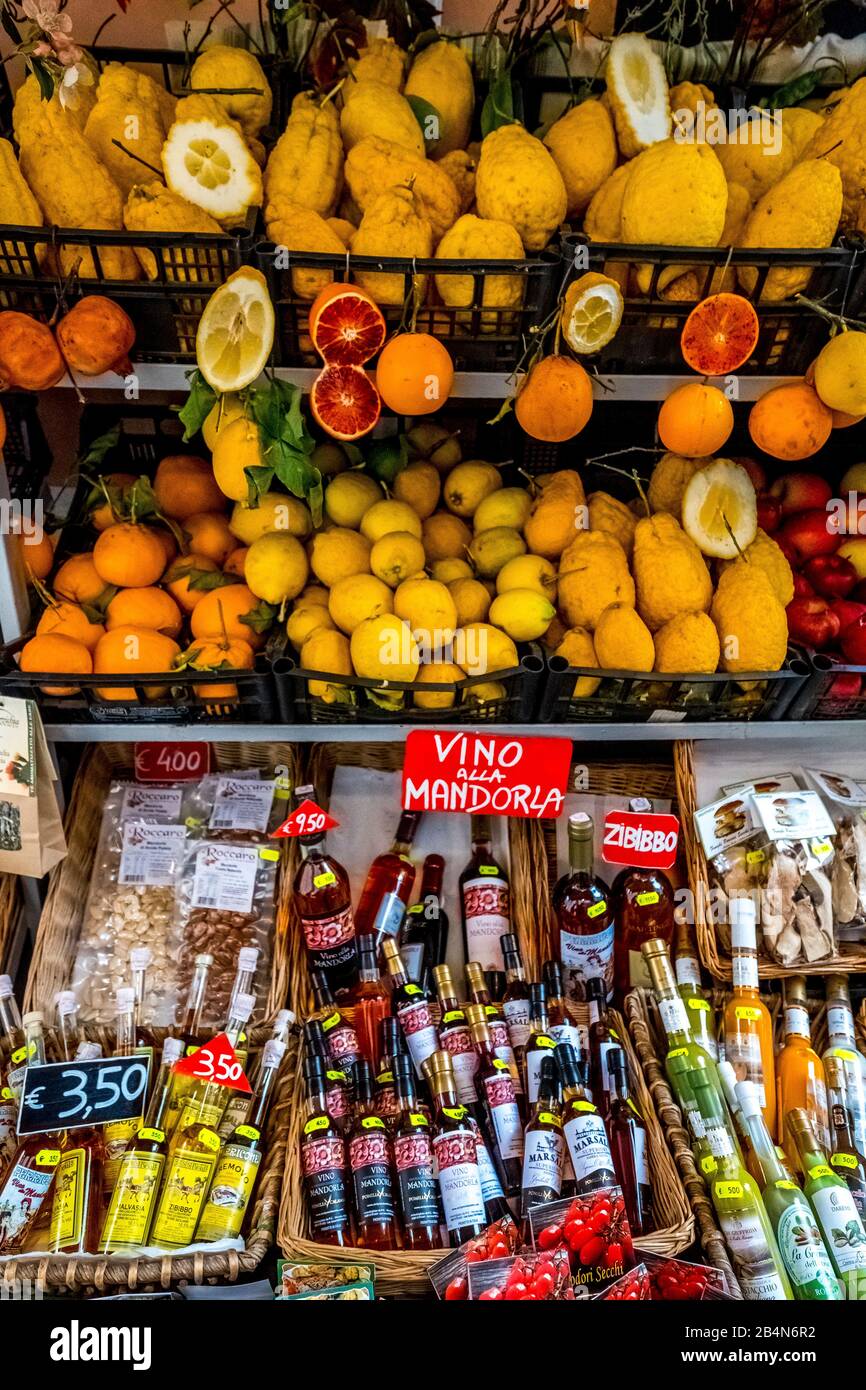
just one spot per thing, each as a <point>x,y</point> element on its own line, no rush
<point>485,774</point>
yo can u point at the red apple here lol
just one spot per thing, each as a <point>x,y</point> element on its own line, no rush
<point>787,549</point>
<point>847,611</point>
<point>858,593</point>
<point>801,492</point>
<point>847,686</point>
<point>755,470</point>
<point>802,587</point>
<point>812,623</point>
<point>769,513</point>
<point>808,535</point>
<point>853,641</point>
<point>831,575</point>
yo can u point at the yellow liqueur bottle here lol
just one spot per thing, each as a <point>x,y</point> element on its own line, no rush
<point>76,1207</point>
<point>238,1167</point>
<point>127,1222</point>
<point>119,1132</point>
<point>190,1035</point>
<point>208,1098</point>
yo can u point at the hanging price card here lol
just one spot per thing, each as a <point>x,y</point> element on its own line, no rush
<point>171,762</point>
<point>67,1095</point>
<point>308,819</point>
<point>640,839</point>
<point>486,774</point>
<point>216,1061</point>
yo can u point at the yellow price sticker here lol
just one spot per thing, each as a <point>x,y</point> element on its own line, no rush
<point>597,909</point>
<point>19,1054</point>
<point>699,1005</point>
<point>843,1161</point>
<point>647,899</point>
<point>330,1022</point>
<point>728,1191</point>
<point>372,1122</point>
<point>786,1185</point>
<point>47,1158</point>
<point>452,1014</point>
<point>821,1170</point>
<point>547,1118</point>
<point>678,1052</point>
<point>272,855</point>
<point>747,1012</point>
<point>322,880</point>
<point>454,1112</point>
<point>418,1120</point>
<point>500,1065</point>
<point>585,1105</point>
<point>336,1075</point>
<point>544,1041</point>
<point>249,1132</point>
<point>209,1139</point>
<point>708,1164</point>
<point>755,856</point>
<point>317,1122</point>
<point>155,1135</point>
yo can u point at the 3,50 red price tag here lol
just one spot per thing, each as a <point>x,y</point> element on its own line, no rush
<point>171,762</point>
<point>216,1061</point>
<point>308,819</point>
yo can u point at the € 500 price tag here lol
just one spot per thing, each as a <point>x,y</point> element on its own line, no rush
<point>68,1095</point>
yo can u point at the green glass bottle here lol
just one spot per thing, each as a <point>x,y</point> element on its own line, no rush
<point>803,1251</point>
<point>833,1205</point>
<point>742,1216</point>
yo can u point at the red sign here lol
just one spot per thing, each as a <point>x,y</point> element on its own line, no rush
<point>308,819</point>
<point>171,762</point>
<point>216,1061</point>
<point>640,839</point>
<point>487,774</point>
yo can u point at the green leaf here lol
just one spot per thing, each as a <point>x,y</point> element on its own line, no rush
<point>43,77</point>
<point>261,617</point>
<point>498,108</point>
<point>797,90</point>
<point>259,480</point>
<point>198,405</point>
<point>429,119</point>
<point>141,501</point>
<point>203,581</point>
<point>9,25</point>
<point>286,442</point>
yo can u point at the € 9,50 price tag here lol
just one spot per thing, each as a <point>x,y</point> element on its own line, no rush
<point>171,762</point>
<point>308,819</point>
<point>68,1095</point>
<point>217,1061</point>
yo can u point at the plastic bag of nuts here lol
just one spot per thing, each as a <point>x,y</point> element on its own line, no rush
<point>133,901</point>
<point>226,902</point>
<point>235,806</point>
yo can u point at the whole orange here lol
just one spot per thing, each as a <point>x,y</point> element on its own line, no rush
<point>181,578</point>
<point>235,562</point>
<point>77,579</point>
<point>103,514</point>
<point>695,420</point>
<point>554,402</point>
<point>220,614</point>
<point>56,652</point>
<point>414,374</point>
<point>208,534</point>
<point>184,485</point>
<point>38,555</point>
<point>148,607</point>
<point>65,619</point>
<point>129,555</point>
<point>790,422</point>
<point>130,649</point>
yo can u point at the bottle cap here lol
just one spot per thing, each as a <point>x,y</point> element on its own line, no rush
<point>594,989</point>
<point>537,999</point>
<point>480,828</point>
<point>655,947</point>
<point>800,1122</point>
<point>88,1051</point>
<point>748,1098</point>
<point>362,1075</point>
<point>837,989</point>
<point>496,983</point>
<point>476,1017</point>
<point>36,1018</point>
<point>551,974</point>
<point>510,944</point>
<point>321,987</point>
<point>243,1007</point>
<point>444,982</point>
<point>391,955</point>
<point>795,990</point>
<point>548,1079</point>
<point>391,1041</point>
<point>140,957</point>
<point>284,1019</point>
<point>475,975</point>
<point>314,1071</point>
<point>580,826</point>
<point>66,1003</point>
<point>617,1067</point>
<point>204,959</point>
<point>248,959</point>
<point>743,916</point>
<point>640,803</point>
<point>835,1072</point>
<point>438,1071</point>
<point>172,1050</point>
<point>404,1071</point>
<point>566,1060</point>
<point>6,986</point>
<point>314,1037</point>
<point>728,1078</point>
<point>273,1053</point>
<point>368,956</point>
<point>125,999</point>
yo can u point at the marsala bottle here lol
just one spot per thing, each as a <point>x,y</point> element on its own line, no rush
<point>602,1038</point>
<point>584,914</point>
<point>628,1146</point>
<point>480,994</point>
<point>411,1004</point>
<point>414,1164</point>
<point>28,1178</point>
<point>424,938</point>
<point>456,1149</point>
<point>371,1163</point>
<point>843,1154</point>
<point>585,1134</point>
<point>344,1045</point>
<point>643,907</point>
<point>543,1143</point>
<point>338,1090</point>
<point>323,901</point>
<point>323,1161</point>
<point>540,1043</point>
<point>561,1026</point>
<point>454,1036</point>
<point>76,1201</point>
<point>392,1045</point>
<point>495,1094</point>
<point>390,880</point>
<point>515,999</point>
<point>485,900</point>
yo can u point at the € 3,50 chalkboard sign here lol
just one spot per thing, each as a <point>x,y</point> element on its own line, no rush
<point>68,1095</point>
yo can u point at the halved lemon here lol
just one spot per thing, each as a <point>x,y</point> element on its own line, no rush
<point>236,332</point>
<point>591,312</point>
<point>720,510</point>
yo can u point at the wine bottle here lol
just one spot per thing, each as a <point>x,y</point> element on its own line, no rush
<point>411,1004</point>
<point>643,908</point>
<point>323,902</point>
<point>341,1036</point>
<point>424,938</point>
<point>801,1081</point>
<point>414,1165</point>
<point>543,1142</point>
<point>30,1173</point>
<point>324,1164</point>
<point>515,1000</point>
<point>456,1149</point>
<point>842,1043</point>
<point>540,1042</point>
<point>338,1090</point>
<point>485,899</point>
<point>748,1028</point>
<point>388,886</point>
<point>583,1127</point>
<point>455,1037</point>
<point>480,994</point>
<point>495,1095</point>
<point>371,1163</point>
<point>845,1159</point>
<point>584,914</point>
<point>688,976</point>
<point>628,1145</point>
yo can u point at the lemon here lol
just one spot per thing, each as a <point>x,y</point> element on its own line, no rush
<point>445,537</point>
<point>330,459</point>
<point>689,642</point>
<point>480,648</point>
<point>429,609</point>
<point>491,550</point>
<point>384,517</point>
<point>591,312</point>
<point>303,622</point>
<point>396,557</point>
<point>508,506</point>
<point>468,484</point>
<point>484,693</point>
<point>329,653</point>
<point>522,613</point>
<point>446,571</point>
<point>349,496</point>
<point>358,597</point>
<point>339,553</point>
<point>720,511</point>
<point>383,648</point>
<point>471,600</point>
<point>313,596</point>
<point>236,332</point>
<point>527,572</point>
<point>840,373</point>
<point>437,673</point>
<point>434,443</point>
<point>419,486</point>
<point>276,568</point>
<point>577,648</point>
<point>237,448</point>
<point>228,408</point>
<point>276,511</point>
<point>637,91</point>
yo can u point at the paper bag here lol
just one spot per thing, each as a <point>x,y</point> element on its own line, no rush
<point>31,830</point>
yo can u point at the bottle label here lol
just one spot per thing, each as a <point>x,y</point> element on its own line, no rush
<point>603,1051</point>
<point>586,957</point>
<point>841,1226</point>
<point>688,972</point>
<point>458,1042</point>
<point>750,1254</point>
<point>412,953</point>
<point>8,1135</point>
<point>638,970</point>
<point>573,1034</point>
<point>491,1187</point>
<point>516,1013</point>
<point>324,1164</point>
<point>225,877</point>
<point>802,1250</point>
<point>639,1149</point>
<point>743,1051</point>
<point>117,1137</point>
<point>15,1078</point>
<point>797,1021</point>
<point>587,1146</point>
<point>459,1180</point>
<point>534,1060</point>
<point>389,915</point>
<point>132,1202</point>
<point>744,972</point>
<point>386,1096</point>
<point>342,1039</point>
<point>330,939</point>
<point>337,1102</point>
<point>22,1195</point>
<point>840,1024</point>
<point>230,1192</point>
<point>194,1113</point>
<point>370,1161</point>
<point>673,1015</point>
<point>413,1160</point>
<point>542,1166</point>
<point>183,1195</point>
<point>506,1116</point>
<point>487,915</point>
<point>419,1030</point>
<point>502,1048</point>
<point>816,1104</point>
<point>68,1204</point>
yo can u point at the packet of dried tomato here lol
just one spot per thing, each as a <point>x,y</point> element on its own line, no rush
<point>530,1277</point>
<point>449,1275</point>
<point>594,1230</point>
<point>633,1287</point>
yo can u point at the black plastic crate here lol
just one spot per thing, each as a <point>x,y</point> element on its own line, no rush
<point>479,338</point>
<point>25,452</point>
<point>831,691</point>
<point>790,333</point>
<point>632,697</point>
<point>523,686</point>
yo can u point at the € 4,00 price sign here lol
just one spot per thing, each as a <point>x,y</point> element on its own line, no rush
<point>171,762</point>
<point>67,1095</point>
<point>485,774</point>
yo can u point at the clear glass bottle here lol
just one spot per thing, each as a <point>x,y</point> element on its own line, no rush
<point>455,1037</point>
<point>687,969</point>
<point>602,1039</point>
<point>76,1199</point>
<point>845,1158</point>
<point>485,900</point>
<point>800,1073</point>
<point>341,1034</point>
<point>842,1043</point>
<point>562,1027</point>
<point>338,1086</point>
<point>480,994</point>
<point>388,887</point>
<point>140,958</point>
<point>515,1000</point>
<point>205,1104</point>
<point>29,1175</point>
<point>392,1045</point>
<point>118,1133</point>
<point>373,1001</point>
<point>191,1034</point>
<point>584,914</point>
<point>12,1028</point>
<point>244,983</point>
<point>540,1043</point>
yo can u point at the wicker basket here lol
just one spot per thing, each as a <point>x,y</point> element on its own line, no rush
<point>851,957</point>
<point>10,911</point>
<point>638,1008</point>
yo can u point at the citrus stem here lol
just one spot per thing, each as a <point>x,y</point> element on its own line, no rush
<point>838,320</point>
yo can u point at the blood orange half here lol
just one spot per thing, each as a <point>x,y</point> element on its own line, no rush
<point>347,327</point>
<point>720,334</point>
<point>344,402</point>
